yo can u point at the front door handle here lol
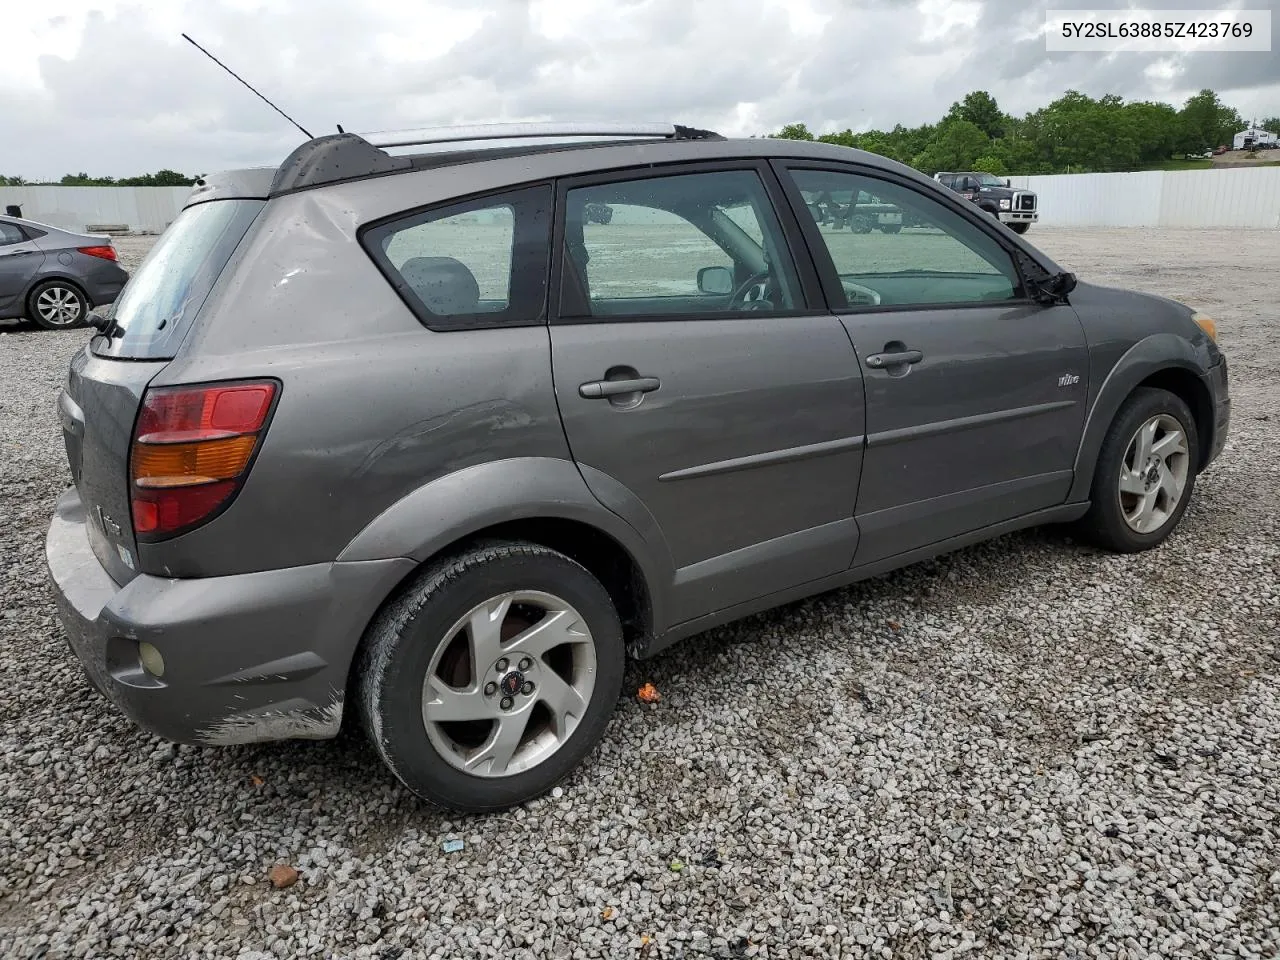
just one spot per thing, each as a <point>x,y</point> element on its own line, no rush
<point>598,389</point>
<point>879,361</point>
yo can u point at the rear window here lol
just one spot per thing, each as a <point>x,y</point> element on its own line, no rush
<point>477,263</point>
<point>154,311</point>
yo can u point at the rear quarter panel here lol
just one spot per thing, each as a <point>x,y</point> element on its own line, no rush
<point>102,280</point>
<point>373,405</point>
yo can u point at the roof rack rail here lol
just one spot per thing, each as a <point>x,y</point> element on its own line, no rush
<point>351,156</point>
<point>515,131</point>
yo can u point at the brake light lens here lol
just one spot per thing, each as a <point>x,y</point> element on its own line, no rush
<point>105,252</point>
<point>191,451</point>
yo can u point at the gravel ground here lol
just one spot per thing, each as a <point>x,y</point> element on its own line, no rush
<point>1025,749</point>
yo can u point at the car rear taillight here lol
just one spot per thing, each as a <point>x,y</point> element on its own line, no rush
<point>191,451</point>
<point>106,252</point>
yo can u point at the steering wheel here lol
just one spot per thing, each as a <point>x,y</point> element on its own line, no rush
<point>860,296</point>
<point>753,293</point>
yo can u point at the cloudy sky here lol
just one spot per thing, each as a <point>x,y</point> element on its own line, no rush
<point>109,86</point>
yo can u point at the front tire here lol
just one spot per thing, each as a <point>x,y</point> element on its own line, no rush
<point>1019,227</point>
<point>1145,474</point>
<point>57,305</point>
<point>492,676</point>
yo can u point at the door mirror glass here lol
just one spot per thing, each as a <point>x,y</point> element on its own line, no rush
<point>717,281</point>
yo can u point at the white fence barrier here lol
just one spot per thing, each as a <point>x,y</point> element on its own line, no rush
<point>1240,197</point>
<point>140,209</point>
<point>1183,198</point>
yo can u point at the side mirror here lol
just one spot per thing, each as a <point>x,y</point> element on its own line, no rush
<point>1054,289</point>
<point>1007,182</point>
<point>717,281</point>
<point>1066,282</point>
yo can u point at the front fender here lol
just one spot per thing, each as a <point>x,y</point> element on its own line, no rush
<point>1151,355</point>
<point>451,508</point>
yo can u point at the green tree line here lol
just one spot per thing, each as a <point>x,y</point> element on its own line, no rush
<point>161,178</point>
<point>1073,134</point>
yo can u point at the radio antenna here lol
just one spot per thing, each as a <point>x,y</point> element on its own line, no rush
<point>246,83</point>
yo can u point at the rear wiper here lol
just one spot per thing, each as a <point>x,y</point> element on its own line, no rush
<point>105,324</point>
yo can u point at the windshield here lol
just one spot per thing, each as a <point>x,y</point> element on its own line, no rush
<point>155,308</point>
<point>989,180</point>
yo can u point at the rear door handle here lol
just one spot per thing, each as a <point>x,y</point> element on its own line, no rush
<point>879,361</point>
<point>598,389</point>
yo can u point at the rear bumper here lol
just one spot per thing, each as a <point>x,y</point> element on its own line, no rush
<point>247,658</point>
<point>104,282</point>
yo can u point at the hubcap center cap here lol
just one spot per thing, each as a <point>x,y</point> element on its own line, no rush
<point>511,684</point>
<point>1152,476</point>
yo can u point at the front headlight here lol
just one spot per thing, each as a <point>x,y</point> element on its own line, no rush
<point>1206,324</point>
<point>1004,204</point>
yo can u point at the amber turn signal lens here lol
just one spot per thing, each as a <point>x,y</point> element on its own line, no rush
<point>1207,325</point>
<point>184,464</point>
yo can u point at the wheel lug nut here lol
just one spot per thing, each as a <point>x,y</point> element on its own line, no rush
<point>525,663</point>
<point>507,703</point>
<point>490,689</point>
<point>502,665</point>
<point>527,688</point>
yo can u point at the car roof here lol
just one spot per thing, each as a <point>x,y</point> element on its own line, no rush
<point>46,227</point>
<point>347,157</point>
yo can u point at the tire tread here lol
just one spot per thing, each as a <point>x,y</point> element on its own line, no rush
<point>1102,525</point>
<point>433,580</point>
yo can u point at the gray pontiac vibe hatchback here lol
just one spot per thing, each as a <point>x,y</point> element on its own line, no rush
<point>436,430</point>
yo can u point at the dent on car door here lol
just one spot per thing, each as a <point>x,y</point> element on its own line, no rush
<point>20,258</point>
<point>691,369</point>
<point>975,393</point>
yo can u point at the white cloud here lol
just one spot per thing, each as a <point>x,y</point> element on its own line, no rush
<point>109,86</point>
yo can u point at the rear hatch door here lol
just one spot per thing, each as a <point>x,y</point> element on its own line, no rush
<point>105,386</point>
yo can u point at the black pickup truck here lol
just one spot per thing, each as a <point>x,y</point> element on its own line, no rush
<point>861,213</point>
<point>1018,208</point>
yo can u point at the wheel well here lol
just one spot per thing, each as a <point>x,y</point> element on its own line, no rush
<point>26,297</point>
<point>606,559</point>
<point>1190,390</point>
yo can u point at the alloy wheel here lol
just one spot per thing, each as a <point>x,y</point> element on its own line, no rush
<point>509,684</point>
<point>58,306</point>
<point>1153,476</point>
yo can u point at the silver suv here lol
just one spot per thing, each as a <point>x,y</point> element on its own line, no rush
<point>411,436</point>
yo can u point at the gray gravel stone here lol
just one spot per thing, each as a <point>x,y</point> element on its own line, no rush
<point>1053,753</point>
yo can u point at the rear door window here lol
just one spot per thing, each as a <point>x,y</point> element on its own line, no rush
<point>478,263</point>
<point>156,307</point>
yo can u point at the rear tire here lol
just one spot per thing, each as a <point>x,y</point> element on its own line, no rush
<point>57,305</point>
<point>492,676</point>
<point>891,228</point>
<point>1145,474</point>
